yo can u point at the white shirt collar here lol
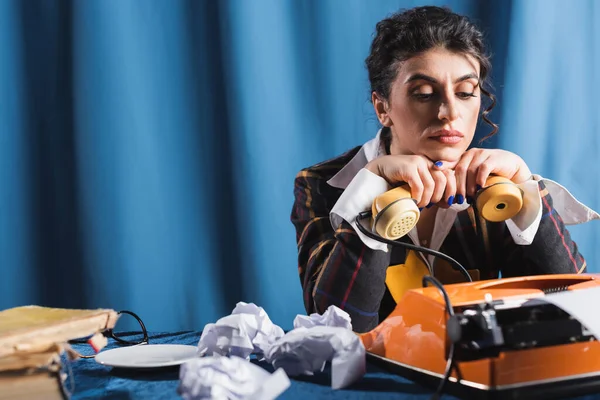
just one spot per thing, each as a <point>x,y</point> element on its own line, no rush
<point>371,150</point>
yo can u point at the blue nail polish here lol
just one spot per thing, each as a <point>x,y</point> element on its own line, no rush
<point>450,200</point>
<point>469,200</point>
<point>420,208</point>
<point>477,187</point>
<point>438,163</point>
<point>460,198</point>
<point>429,205</point>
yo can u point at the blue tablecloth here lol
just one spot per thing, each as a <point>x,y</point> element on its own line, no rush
<point>93,380</point>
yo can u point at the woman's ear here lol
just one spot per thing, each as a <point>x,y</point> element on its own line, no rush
<point>381,109</point>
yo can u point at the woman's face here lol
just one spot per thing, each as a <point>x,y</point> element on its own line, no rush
<point>433,105</point>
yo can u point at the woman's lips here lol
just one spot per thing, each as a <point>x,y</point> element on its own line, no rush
<point>447,137</point>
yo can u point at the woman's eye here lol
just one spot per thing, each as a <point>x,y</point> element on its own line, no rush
<point>423,96</point>
<point>465,95</point>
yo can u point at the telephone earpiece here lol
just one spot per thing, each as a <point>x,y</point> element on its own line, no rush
<point>395,212</point>
<point>499,200</point>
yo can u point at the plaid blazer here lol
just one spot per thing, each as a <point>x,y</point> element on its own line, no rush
<point>337,268</point>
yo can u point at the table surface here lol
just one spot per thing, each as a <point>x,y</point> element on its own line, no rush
<point>93,380</point>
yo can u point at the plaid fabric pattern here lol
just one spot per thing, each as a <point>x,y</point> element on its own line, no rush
<point>336,268</point>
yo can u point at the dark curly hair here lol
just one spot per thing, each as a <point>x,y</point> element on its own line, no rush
<point>414,31</point>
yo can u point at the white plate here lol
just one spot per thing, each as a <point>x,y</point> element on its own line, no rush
<point>147,356</point>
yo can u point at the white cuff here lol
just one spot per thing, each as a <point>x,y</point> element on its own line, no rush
<point>356,198</point>
<point>525,224</point>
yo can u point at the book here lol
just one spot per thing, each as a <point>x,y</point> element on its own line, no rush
<point>33,376</point>
<point>33,343</point>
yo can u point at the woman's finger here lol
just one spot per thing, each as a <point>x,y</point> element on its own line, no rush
<point>460,174</point>
<point>428,186</point>
<point>484,171</point>
<point>450,193</point>
<point>416,185</point>
<point>439,178</point>
<point>472,171</point>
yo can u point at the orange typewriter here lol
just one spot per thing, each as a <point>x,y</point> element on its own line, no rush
<point>491,339</point>
<point>496,339</point>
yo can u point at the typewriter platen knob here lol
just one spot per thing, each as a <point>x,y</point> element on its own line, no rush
<point>455,327</point>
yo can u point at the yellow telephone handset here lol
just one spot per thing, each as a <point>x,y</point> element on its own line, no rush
<point>499,200</point>
<point>395,212</point>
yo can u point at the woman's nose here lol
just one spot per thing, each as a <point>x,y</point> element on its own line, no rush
<point>448,110</point>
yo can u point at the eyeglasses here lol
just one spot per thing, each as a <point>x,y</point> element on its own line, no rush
<point>119,336</point>
<point>128,338</point>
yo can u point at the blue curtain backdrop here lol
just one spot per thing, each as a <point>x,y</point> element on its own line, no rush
<point>148,147</point>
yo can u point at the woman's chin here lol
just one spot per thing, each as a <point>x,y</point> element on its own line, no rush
<point>451,155</point>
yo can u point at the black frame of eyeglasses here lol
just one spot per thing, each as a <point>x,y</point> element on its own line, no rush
<point>109,333</point>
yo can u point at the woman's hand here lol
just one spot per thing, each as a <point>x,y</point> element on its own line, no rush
<point>476,165</point>
<point>429,182</point>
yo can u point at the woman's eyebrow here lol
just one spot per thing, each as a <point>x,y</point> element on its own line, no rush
<point>419,76</point>
<point>472,75</point>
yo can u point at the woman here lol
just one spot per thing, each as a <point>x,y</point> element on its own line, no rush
<point>428,68</point>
